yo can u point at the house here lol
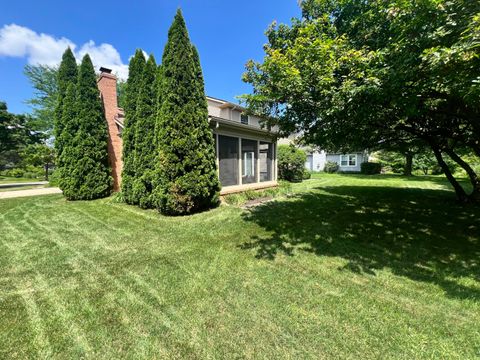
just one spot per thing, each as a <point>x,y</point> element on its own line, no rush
<point>246,153</point>
<point>316,159</point>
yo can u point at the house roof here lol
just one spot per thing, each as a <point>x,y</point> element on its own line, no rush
<point>120,117</point>
<point>226,104</point>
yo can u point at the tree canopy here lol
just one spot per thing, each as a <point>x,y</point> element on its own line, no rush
<point>43,103</point>
<point>16,133</point>
<point>363,74</point>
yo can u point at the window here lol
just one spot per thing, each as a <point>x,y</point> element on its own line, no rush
<point>309,163</point>
<point>266,161</point>
<point>244,119</point>
<point>249,149</point>
<point>248,163</point>
<point>228,160</point>
<point>348,160</point>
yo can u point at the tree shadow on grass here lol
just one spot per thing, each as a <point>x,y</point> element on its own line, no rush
<point>421,234</point>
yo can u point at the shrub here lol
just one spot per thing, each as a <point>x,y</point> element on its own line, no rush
<point>306,174</point>
<point>54,178</point>
<point>291,163</point>
<point>331,167</point>
<point>452,166</point>
<point>397,167</point>
<point>370,168</point>
<point>16,173</point>
<point>142,190</point>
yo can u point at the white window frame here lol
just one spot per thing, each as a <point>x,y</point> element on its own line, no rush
<point>348,160</point>
<point>248,119</point>
<point>245,154</point>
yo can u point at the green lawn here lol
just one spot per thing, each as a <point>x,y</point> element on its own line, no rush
<point>347,266</point>
<point>10,180</point>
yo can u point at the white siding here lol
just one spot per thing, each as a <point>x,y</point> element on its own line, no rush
<point>319,160</point>
<point>336,158</point>
<point>213,108</point>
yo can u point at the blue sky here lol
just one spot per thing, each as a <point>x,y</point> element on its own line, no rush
<point>226,33</point>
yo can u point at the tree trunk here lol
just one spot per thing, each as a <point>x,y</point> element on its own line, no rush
<point>46,172</point>
<point>407,170</point>
<point>474,180</point>
<point>461,194</point>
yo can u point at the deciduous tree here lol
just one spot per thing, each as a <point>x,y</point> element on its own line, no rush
<point>361,74</point>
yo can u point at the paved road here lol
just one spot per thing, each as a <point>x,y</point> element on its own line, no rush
<point>29,192</point>
<point>20,184</point>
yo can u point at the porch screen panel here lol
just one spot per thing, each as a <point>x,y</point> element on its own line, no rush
<point>266,161</point>
<point>228,160</point>
<point>249,161</point>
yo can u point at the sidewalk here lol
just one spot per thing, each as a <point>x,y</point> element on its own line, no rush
<point>29,192</point>
<point>20,184</point>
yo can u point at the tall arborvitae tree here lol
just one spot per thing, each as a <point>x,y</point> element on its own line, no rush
<point>135,74</point>
<point>67,158</point>
<point>145,137</point>
<point>186,175</point>
<point>67,74</point>
<point>89,176</point>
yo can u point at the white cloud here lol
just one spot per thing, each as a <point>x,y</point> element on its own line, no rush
<point>105,55</point>
<point>20,41</point>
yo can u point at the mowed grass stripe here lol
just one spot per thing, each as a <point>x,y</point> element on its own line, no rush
<point>348,267</point>
<point>129,298</point>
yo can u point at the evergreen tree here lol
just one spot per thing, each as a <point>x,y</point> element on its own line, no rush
<point>145,136</point>
<point>67,74</point>
<point>68,156</point>
<point>135,74</point>
<point>186,175</point>
<point>89,175</point>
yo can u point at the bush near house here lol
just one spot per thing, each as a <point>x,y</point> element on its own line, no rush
<point>291,163</point>
<point>306,174</point>
<point>331,167</point>
<point>370,168</point>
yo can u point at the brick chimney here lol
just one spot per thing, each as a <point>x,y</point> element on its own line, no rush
<point>107,84</point>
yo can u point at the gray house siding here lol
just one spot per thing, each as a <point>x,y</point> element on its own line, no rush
<point>361,157</point>
<point>315,161</point>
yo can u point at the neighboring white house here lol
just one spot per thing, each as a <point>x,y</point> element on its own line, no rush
<point>316,159</point>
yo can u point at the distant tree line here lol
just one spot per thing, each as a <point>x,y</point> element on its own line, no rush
<point>23,151</point>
